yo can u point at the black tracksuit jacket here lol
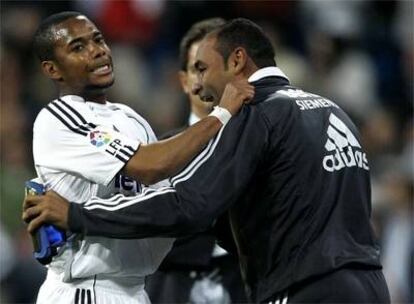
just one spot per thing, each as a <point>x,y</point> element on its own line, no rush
<point>292,173</point>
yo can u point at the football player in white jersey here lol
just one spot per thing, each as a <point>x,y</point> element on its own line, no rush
<point>84,146</point>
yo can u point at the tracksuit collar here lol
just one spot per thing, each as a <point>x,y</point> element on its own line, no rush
<point>267,72</point>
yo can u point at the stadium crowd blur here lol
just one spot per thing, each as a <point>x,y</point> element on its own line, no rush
<point>357,53</point>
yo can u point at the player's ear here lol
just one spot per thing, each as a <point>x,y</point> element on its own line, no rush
<point>51,70</point>
<point>182,75</point>
<point>237,60</point>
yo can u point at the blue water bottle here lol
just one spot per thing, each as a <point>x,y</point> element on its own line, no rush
<point>47,237</point>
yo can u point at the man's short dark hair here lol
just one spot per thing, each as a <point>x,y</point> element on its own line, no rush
<point>44,38</point>
<point>196,33</point>
<point>244,33</point>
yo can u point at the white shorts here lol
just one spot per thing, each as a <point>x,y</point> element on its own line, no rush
<point>92,291</point>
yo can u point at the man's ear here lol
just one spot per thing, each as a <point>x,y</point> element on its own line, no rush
<point>51,70</point>
<point>237,60</point>
<point>182,75</point>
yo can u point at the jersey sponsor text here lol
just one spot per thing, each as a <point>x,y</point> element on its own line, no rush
<point>307,101</point>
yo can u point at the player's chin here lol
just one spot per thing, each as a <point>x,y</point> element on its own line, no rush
<point>102,83</point>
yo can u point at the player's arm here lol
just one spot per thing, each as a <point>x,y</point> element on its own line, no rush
<point>203,191</point>
<point>156,161</point>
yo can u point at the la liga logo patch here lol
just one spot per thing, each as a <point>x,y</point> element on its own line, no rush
<point>99,138</point>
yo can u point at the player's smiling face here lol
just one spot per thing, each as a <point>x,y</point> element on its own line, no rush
<point>82,57</point>
<point>211,71</point>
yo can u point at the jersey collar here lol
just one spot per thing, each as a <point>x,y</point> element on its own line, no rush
<point>267,72</point>
<point>193,119</point>
<point>77,98</point>
<point>72,98</point>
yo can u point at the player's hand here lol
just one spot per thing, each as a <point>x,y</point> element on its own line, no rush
<point>236,93</point>
<point>50,208</point>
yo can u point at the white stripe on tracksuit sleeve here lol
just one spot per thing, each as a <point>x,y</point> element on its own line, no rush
<point>204,190</point>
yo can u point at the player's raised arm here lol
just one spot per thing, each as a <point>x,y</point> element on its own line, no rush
<point>156,161</point>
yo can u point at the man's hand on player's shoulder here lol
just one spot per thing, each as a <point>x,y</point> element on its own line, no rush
<point>50,208</point>
<point>236,93</point>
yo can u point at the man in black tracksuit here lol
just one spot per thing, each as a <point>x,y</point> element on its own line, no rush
<point>290,170</point>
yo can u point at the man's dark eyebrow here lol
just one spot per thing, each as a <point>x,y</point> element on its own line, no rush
<point>79,39</point>
<point>97,33</point>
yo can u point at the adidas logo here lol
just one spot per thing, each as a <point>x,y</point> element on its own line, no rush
<point>343,148</point>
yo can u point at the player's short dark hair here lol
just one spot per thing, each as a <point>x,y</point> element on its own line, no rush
<point>44,38</point>
<point>196,33</point>
<point>244,33</point>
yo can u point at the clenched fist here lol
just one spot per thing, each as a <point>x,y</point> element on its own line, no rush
<point>236,93</point>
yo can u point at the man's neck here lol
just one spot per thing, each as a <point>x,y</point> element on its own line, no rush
<point>199,111</point>
<point>98,98</point>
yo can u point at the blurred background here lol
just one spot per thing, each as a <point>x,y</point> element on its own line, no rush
<point>357,53</point>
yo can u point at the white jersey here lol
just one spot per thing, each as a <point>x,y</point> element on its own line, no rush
<point>79,149</point>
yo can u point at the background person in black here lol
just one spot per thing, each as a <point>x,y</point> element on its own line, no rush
<point>196,270</point>
<point>291,170</point>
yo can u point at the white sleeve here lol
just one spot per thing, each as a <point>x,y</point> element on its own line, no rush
<point>96,153</point>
